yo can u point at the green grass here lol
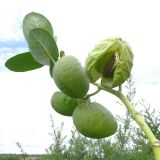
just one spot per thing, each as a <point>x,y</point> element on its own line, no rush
<point>20,157</point>
<point>10,157</point>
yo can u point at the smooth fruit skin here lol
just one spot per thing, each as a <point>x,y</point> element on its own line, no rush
<point>70,77</point>
<point>63,104</point>
<point>94,120</point>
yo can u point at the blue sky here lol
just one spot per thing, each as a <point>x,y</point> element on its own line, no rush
<point>10,48</point>
<point>13,44</point>
<point>79,25</point>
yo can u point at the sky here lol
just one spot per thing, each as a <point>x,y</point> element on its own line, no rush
<point>79,25</point>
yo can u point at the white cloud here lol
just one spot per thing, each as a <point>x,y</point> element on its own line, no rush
<point>6,53</point>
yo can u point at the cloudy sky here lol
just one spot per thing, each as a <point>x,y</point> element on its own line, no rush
<point>25,97</point>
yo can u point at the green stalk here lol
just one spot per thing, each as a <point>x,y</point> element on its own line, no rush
<point>155,143</point>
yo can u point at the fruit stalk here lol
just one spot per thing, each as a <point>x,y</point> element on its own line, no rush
<point>92,94</point>
<point>155,143</point>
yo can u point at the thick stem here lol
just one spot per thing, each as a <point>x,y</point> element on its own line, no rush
<point>155,143</point>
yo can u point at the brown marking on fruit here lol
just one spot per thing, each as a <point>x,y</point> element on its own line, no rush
<point>109,67</point>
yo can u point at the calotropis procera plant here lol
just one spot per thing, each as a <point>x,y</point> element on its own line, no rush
<point>110,61</point>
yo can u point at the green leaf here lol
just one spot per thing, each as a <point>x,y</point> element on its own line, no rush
<point>42,46</point>
<point>22,62</point>
<point>35,20</point>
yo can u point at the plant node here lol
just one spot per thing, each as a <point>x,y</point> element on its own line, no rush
<point>92,94</point>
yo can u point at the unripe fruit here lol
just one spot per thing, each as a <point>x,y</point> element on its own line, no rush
<point>63,104</point>
<point>70,77</point>
<point>94,121</point>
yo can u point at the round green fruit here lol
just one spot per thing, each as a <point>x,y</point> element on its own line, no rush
<point>70,77</point>
<point>63,104</point>
<point>94,121</point>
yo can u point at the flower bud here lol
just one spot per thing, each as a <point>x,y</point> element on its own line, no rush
<point>111,60</point>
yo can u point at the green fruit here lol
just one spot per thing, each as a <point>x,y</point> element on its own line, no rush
<point>63,104</point>
<point>70,77</point>
<point>94,121</point>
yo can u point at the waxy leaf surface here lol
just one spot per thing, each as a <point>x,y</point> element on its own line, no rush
<point>22,62</point>
<point>43,46</point>
<point>35,20</point>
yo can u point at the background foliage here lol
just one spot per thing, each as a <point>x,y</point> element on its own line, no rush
<point>129,143</point>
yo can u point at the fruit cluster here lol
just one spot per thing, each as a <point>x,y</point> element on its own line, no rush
<point>90,118</point>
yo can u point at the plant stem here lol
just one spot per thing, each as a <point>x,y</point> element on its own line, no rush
<point>92,94</point>
<point>155,143</point>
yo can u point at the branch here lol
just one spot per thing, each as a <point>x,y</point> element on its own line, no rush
<point>155,143</point>
<point>94,93</point>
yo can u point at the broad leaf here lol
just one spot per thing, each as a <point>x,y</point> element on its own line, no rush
<point>35,20</point>
<point>43,46</point>
<point>22,62</point>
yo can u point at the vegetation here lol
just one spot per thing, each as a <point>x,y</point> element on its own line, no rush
<point>107,66</point>
<point>9,157</point>
<point>129,143</point>
<point>125,145</point>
